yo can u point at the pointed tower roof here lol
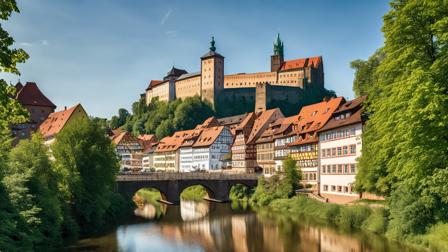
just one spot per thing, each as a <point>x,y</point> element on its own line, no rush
<point>31,95</point>
<point>212,52</point>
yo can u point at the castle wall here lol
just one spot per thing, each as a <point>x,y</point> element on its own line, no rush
<point>188,87</point>
<point>212,78</point>
<point>249,80</point>
<point>291,78</point>
<point>162,91</point>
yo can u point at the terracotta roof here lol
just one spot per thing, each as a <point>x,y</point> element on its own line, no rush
<point>172,143</point>
<point>209,122</point>
<point>30,94</point>
<point>147,137</point>
<point>56,121</point>
<point>354,106</point>
<point>301,63</point>
<point>262,120</point>
<point>313,117</point>
<point>150,148</point>
<point>307,139</point>
<point>208,136</point>
<point>232,119</point>
<point>153,83</point>
<point>126,138</point>
<point>268,133</point>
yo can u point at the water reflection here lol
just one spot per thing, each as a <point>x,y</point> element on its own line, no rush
<point>205,226</point>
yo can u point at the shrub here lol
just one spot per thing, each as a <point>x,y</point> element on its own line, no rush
<point>377,221</point>
<point>353,216</point>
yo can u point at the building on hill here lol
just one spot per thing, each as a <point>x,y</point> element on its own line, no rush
<point>57,121</point>
<point>244,153</point>
<point>340,143</point>
<point>38,106</point>
<point>305,148</point>
<point>285,81</point>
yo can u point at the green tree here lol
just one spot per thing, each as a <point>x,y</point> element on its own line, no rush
<point>14,235</point>
<point>365,73</point>
<point>120,120</point>
<point>191,112</point>
<point>292,175</point>
<point>88,164</point>
<point>33,187</point>
<point>405,140</point>
<point>165,128</point>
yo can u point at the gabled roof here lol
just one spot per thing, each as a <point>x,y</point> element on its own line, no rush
<point>153,83</point>
<point>265,117</point>
<point>313,117</point>
<point>31,95</point>
<point>209,122</point>
<point>355,116</point>
<point>172,143</point>
<point>188,75</point>
<point>147,137</point>
<point>56,121</point>
<point>301,63</point>
<point>125,138</point>
<point>208,136</point>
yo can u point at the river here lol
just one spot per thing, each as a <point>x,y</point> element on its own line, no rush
<point>206,226</point>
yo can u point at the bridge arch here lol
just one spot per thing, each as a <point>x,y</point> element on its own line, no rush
<point>172,184</point>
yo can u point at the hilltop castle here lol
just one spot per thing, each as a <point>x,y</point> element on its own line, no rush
<point>285,81</point>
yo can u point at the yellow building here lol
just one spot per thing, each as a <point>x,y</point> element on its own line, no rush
<point>57,121</point>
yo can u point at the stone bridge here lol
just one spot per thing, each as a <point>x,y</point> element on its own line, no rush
<point>171,184</point>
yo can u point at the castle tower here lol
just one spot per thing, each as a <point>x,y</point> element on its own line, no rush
<point>277,58</point>
<point>212,74</point>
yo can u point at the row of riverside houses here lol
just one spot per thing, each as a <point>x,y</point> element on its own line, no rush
<point>324,139</point>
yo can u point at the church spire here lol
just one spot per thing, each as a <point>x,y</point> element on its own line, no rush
<point>278,46</point>
<point>212,44</point>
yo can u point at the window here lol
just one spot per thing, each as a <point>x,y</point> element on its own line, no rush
<point>345,189</point>
<point>352,168</point>
<point>323,168</point>
<point>339,168</point>
<point>325,187</point>
<point>346,168</point>
<point>323,153</point>
<point>345,148</point>
<point>353,149</point>
<point>339,151</point>
<point>333,188</point>
<point>333,151</point>
<point>339,188</point>
<point>334,169</point>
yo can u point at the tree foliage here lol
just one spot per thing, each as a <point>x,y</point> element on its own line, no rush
<point>365,73</point>
<point>405,140</point>
<point>164,118</point>
<point>14,235</point>
<point>87,162</point>
<point>32,185</point>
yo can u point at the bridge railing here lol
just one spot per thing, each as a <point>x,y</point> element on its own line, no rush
<point>185,176</point>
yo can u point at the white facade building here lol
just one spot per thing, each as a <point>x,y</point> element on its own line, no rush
<point>209,150</point>
<point>340,144</point>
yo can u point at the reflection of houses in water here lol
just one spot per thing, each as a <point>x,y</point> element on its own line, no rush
<point>224,230</point>
<point>191,210</point>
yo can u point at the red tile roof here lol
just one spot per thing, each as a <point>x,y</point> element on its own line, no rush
<point>153,83</point>
<point>57,120</point>
<point>354,107</point>
<point>263,119</point>
<point>31,95</point>
<point>208,136</point>
<point>301,63</point>
<point>313,117</point>
<point>147,137</point>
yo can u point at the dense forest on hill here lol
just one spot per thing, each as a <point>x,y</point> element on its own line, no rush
<point>164,118</point>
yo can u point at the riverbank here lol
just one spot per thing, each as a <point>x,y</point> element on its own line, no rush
<point>362,216</point>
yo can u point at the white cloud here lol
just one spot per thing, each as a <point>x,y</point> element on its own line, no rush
<point>44,42</point>
<point>165,17</point>
<point>25,44</point>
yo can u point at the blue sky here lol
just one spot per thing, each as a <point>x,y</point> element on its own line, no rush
<point>103,53</point>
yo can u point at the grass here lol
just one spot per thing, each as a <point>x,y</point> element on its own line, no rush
<point>194,193</point>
